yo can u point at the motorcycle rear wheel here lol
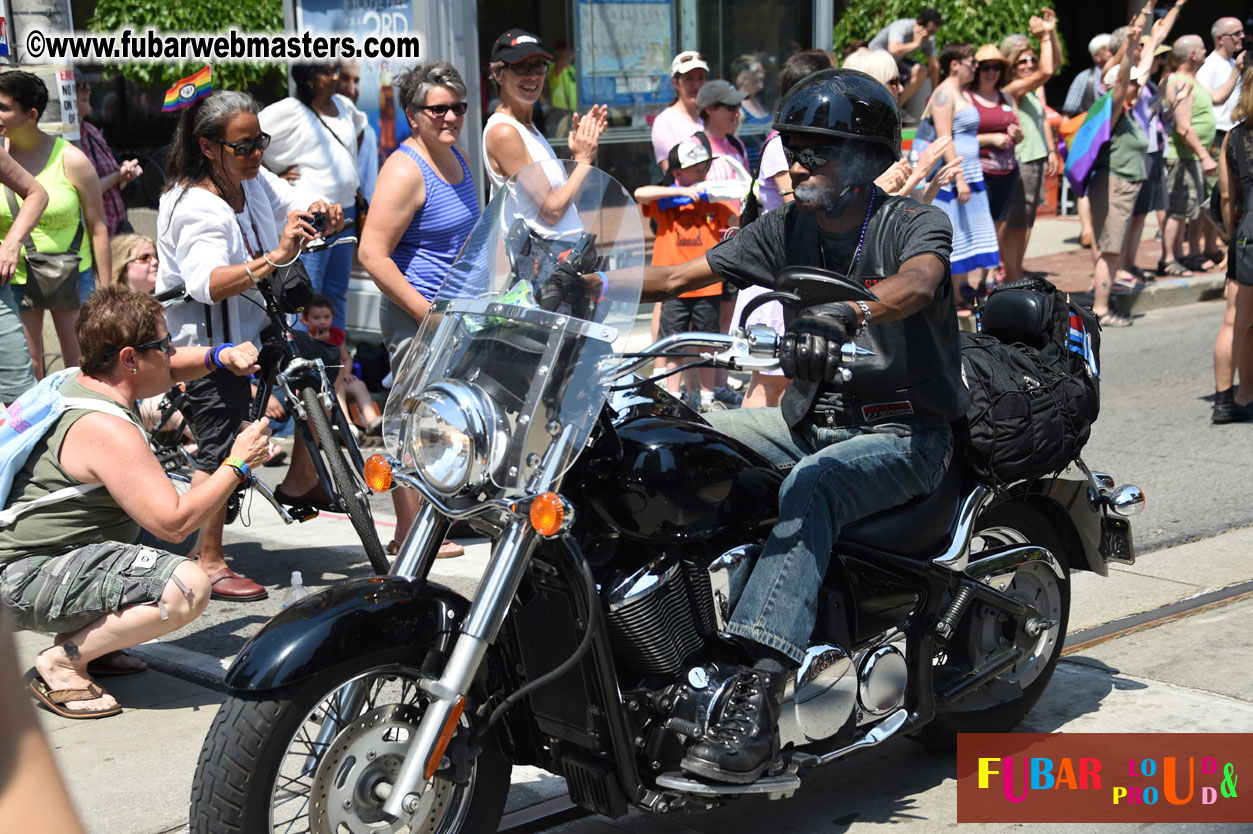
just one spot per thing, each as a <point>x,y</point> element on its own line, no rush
<point>265,769</point>
<point>1002,704</point>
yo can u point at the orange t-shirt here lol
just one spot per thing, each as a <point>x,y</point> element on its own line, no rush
<point>686,232</point>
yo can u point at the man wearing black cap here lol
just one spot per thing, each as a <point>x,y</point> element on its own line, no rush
<point>855,447</point>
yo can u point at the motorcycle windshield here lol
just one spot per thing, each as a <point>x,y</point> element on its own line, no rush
<point>513,357</point>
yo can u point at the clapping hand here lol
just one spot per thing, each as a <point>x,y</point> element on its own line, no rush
<point>129,171</point>
<point>948,173</point>
<point>934,152</point>
<point>585,131</point>
<point>894,177</point>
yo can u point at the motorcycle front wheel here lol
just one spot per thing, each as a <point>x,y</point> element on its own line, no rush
<point>1002,703</point>
<point>320,758</point>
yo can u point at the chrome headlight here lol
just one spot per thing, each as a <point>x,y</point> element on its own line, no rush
<point>455,436</point>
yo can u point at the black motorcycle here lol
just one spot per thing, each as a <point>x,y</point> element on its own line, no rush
<point>594,645</point>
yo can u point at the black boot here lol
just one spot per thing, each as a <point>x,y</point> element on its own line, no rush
<point>742,743</point>
<point>1226,410</point>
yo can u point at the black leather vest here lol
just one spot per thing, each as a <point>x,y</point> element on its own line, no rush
<point>914,377</point>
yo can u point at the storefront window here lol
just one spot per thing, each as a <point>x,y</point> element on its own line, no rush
<point>744,42</point>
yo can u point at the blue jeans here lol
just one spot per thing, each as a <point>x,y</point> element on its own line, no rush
<point>837,476</point>
<point>15,371</point>
<point>329,271</point>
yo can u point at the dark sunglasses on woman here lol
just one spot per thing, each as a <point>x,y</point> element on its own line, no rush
<point>441,110</point>
<point>162,344</point>
<point>249,147</point>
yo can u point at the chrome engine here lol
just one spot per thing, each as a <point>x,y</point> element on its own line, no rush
<point>660,616</point>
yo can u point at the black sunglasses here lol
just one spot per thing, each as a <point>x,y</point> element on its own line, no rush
<point>162,344</point>
<point>441,110</point>
<point>812,158</point>
<point>250,147</point>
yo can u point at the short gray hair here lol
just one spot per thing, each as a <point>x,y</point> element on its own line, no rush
<point>416,84</point>
<point>1116,38</point>
<point>1012,41</point>
<point>1097,44</point>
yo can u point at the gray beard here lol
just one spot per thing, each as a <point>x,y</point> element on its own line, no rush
<point>830,201</point>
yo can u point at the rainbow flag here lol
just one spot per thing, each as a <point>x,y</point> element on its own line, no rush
<point>1091,137</point>
<point>187,91</point>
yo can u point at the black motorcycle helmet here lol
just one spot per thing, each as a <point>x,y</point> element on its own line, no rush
<point>842,104</point>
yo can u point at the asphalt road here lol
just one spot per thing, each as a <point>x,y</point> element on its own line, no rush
<point>1157,389</point>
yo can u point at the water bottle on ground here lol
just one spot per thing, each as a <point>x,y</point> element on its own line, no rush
<point>297,591</point>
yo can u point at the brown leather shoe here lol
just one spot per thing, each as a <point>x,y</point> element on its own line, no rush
<point>229,585</point>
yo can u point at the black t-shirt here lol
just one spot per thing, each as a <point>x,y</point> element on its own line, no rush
<point>756,254</point>
<point>913,375</point>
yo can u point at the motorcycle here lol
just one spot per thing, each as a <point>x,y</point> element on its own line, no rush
<point>594,647</point>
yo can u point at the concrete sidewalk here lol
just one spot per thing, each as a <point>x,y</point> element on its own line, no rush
<point>1054,250</point>
<point>132,774</point>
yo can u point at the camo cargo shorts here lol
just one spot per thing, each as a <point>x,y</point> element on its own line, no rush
<point>67,591</point>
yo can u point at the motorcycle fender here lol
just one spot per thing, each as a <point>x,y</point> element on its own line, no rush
<point>345,622</point>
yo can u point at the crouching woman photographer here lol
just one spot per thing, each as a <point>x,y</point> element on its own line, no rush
<point>90,569</point>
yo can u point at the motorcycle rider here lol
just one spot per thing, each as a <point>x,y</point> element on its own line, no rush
<point>854,448</point>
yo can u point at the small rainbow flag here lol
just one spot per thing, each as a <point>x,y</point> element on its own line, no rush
<point>188,91</point>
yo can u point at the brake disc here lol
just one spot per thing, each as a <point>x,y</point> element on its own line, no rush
<point>357,773</point>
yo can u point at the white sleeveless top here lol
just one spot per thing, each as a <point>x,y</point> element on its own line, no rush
<point>538,149</point>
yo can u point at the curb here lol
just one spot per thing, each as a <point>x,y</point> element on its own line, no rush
<point>1173,292</point>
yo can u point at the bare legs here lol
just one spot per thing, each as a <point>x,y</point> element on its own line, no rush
<point>131,626</point>
<point>63,321</point>
<point>1233,348</point>
<point>1102,276</point>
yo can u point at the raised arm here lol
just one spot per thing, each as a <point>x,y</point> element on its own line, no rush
<point>1047,65</point>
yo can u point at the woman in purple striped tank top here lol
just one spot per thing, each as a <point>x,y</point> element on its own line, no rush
<point>423,209</point>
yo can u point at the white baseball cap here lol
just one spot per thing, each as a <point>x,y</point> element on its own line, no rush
<point>691,152</point>
<point>687,61</point>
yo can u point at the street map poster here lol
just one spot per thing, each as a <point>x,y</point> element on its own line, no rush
<point>624,52</point>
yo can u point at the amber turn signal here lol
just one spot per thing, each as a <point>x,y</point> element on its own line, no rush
<point>547,514</point>
<point>378,473</point>
<point>445,736</point>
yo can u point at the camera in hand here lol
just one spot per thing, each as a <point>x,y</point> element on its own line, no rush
<point>319,222</point>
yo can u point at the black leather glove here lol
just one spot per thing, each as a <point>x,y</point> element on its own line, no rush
<point>810,348</point>
<point>565,285</point>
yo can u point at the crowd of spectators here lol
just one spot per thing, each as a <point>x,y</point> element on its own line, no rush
<point>243,182</point>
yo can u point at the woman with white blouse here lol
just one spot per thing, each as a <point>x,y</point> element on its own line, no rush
<point>225,223</point>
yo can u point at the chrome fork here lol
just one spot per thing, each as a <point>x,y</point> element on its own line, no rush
<point>491,603</point>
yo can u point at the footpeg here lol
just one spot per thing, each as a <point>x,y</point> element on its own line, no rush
<point>774,787</point>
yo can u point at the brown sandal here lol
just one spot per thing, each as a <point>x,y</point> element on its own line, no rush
<point>54,700</point>
<point>447,550</point>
